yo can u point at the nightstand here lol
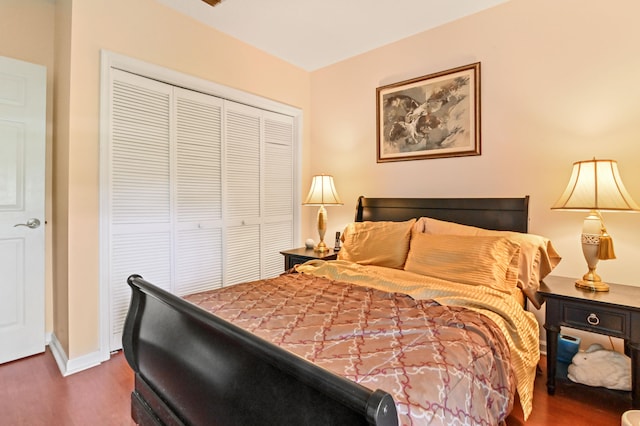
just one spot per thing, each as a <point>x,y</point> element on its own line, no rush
<point>614,313</point>
<point>300,255</point>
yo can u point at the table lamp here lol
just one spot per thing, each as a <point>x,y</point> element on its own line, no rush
<point>322,193</point>
<point>595,186</point>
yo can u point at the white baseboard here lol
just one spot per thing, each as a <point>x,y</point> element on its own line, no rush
<point>71,366</point>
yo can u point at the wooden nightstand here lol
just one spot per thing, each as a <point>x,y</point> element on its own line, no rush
<point>614,313</point>
<point>301,255</point>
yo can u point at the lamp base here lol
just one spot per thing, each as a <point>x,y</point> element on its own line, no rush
<point>592,285</point>
<point>321,247</point>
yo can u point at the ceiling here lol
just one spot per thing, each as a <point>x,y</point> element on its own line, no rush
<point>314,34</point>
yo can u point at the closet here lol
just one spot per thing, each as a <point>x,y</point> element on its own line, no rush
<point>200,190</point>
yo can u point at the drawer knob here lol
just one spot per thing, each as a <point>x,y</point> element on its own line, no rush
<point>593,319</point>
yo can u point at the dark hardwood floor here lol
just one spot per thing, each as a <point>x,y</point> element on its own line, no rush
<point>33,393</point>
<point>572,405</point>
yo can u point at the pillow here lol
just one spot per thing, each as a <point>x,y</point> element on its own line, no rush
<point>377,243</point>
<point>537,255</point>
<point>479,261</point>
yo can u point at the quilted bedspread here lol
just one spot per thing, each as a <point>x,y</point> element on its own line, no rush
<point>442,364</point>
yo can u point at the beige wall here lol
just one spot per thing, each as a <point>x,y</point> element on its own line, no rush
<point>150,32</point>
<point>559,84</point>
<point>26,33</point>
<point>74,32</point>
<point>60,222</point>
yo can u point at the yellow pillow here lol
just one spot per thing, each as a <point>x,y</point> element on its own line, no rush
<point>377,243</point>
<point>479,261</point>
<point>537,255</point>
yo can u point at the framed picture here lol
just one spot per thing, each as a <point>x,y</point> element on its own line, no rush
<point>434,116</point>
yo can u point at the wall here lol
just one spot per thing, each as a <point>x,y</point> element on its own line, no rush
<point>26,33</point>
<point>60,222</point>
<point>559,84</point>
<point>150,32</point>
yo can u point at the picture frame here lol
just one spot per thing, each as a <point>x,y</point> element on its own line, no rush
<point>433,116</point>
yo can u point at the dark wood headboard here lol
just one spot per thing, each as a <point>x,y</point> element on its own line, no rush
<point>502,214</point>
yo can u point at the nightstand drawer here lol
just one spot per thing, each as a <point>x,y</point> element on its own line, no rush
<point>297,260</point>
<point>301,255</point>
<point>600,320</point>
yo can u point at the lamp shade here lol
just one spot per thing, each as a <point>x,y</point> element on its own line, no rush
<point>595,185</point>
<point>322,192</point>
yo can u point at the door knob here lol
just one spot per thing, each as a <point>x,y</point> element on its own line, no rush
<point>32,223</point>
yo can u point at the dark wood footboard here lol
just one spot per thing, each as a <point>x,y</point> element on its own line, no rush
<point>193,368</point>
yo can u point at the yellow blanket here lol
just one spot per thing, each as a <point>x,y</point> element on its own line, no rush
<point>519,326</point>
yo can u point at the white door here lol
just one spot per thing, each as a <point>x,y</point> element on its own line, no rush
<point>22,163</point>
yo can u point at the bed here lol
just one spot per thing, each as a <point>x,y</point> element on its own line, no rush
<point>234,356</point>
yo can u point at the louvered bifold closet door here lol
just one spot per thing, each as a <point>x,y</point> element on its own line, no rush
<point>243,190</point>
<point>198,192</point>
<point>140,235</point>
<point>278,207</point>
